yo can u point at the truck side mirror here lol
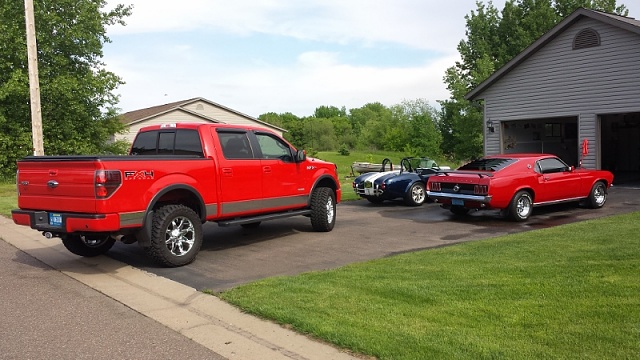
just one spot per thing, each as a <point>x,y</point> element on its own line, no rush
<point>301,155</point>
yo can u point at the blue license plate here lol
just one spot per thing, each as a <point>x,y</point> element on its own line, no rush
<point>457,202</point>
<point>55,219</point>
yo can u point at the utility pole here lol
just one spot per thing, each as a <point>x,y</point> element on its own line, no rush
<point>34,83</point>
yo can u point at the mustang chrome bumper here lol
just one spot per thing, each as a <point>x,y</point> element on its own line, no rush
<point>442,195</point>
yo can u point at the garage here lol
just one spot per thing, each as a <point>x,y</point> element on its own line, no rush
<point>575,85</point>
<point>620,134</point>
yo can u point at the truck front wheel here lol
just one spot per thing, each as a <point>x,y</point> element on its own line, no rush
<point>87,246</point>
<point>176,235</point>
<point>323,209</point>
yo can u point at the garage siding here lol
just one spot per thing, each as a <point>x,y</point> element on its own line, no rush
<point>558,81</point>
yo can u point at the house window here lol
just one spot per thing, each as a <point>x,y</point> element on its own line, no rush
<point>586,38</point>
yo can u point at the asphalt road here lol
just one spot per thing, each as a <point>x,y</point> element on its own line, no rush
<point>231,256</point>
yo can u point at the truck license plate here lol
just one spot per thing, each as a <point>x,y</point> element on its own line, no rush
<point>457,202</point>
<point>55,219</point>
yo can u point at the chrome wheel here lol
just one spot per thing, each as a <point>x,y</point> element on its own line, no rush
<point>418,195</point>
<point>521,206</point>
<point>330,209</point>
<point>180,236</point>
<point>524,206</point>
<point>599,194</point>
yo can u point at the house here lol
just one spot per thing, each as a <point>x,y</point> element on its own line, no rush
<point>198,110</point>
<point>576,88</point>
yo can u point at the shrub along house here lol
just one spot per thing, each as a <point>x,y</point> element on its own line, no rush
<point>198,110</point>
<point>579,83</point>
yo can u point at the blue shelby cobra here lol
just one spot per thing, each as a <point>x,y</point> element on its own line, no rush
<point>408,183</point>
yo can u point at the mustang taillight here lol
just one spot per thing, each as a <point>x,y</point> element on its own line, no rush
<point>107,182</point>
<point>436,186</point>
<point>481,189</point>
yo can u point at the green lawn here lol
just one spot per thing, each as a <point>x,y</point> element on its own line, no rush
<point>344,165</point>
<point>8,198</point>
<point>568,292</point>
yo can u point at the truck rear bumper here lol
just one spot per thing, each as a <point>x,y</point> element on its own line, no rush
<point>69,222</point>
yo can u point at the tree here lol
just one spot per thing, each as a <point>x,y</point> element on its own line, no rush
<point>493,39</point>
<point>419,122</point>
<point>79,111</point>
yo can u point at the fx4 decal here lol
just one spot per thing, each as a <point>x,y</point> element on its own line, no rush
<point>138,174</point>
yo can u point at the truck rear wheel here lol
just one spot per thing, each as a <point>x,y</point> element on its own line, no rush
<point>323,209</point>
<point>87,247</point>
<point>176,235</point>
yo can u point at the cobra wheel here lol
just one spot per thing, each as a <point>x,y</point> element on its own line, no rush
<point>416,195</point>
<point>176,235</point>
<point>323,209</point>
<point>88,246</point>
<point>598,195</point>
<point>521,206</point>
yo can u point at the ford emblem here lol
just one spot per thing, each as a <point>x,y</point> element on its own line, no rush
<point>52,184</point>
<point>456,188</point>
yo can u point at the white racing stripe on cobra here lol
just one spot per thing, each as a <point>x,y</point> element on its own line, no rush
<point>375,176</point>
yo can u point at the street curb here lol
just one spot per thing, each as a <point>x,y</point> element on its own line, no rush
<point>200,317</point>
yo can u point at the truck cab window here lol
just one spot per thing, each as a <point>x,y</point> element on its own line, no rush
<point>235,145</point>
<point>145,143</point>
<point>273,148</point>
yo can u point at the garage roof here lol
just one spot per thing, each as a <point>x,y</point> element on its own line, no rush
<point>623,22</point>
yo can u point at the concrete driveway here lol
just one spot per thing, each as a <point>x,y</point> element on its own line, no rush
<point>233,256</point>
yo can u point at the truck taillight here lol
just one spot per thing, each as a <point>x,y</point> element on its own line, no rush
<point>435,186</point>
<point>481,189</point>
<point>107,182</point>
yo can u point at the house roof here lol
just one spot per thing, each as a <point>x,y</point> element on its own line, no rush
<point>626,23</point>
<point>135,116</point>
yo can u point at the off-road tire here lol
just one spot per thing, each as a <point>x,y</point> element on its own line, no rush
<point>598,195</point>
<point>323,209</point>
<point>77,245</point>
<point>416,195</point>
<point>176,236</point>
<point>521,206</point>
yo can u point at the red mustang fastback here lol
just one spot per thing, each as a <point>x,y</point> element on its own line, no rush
<point>515,183</point>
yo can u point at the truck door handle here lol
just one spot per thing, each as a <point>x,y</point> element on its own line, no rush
<point>227,171</point>
<point>266,169</point>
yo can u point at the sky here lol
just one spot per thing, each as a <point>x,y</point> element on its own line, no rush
<point>260,56</point>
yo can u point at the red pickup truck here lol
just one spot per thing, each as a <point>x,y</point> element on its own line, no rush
<point>176,177</point>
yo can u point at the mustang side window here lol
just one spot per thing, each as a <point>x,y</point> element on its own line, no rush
<point>552,165</point>
<point>273,148</point>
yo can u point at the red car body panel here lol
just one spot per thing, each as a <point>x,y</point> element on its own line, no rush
<point>497,186</point>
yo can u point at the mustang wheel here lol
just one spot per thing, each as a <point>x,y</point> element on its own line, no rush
<point>416,195</point>
<point>521,206</point>
<point>176,235</point>
<point>598,195</point>
<point>323,209</point>
<point>86,246</point>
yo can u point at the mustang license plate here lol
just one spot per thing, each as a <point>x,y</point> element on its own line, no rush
<point>55,219</point>
<point>457,202</point>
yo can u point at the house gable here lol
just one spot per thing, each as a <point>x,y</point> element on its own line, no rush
<point>198,110</point>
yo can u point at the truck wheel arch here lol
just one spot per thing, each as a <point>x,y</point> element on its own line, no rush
<point>193,200</point>
<point>323,181</point>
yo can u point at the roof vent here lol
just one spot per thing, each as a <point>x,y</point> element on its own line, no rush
<point>586,38</point>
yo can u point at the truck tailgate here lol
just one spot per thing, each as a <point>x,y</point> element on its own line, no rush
<point>63,184</point>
